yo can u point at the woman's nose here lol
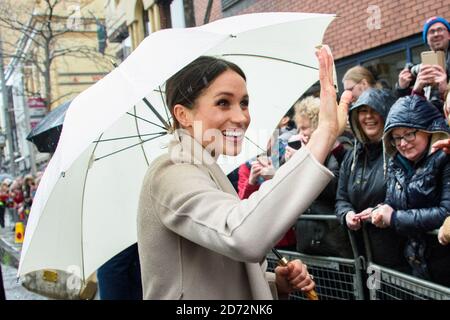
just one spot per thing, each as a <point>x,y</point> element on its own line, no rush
<point>403,143</point>
<point>239,115</point>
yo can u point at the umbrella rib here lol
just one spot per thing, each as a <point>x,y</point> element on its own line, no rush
<point>165,105</point>
<point>140,136</point>
<point>82,216</point>
<point>268,57</point>
<point>123,149</point>
<point>255,144</point>
<point>163,121</point>
<point>129,137</point>
<point>133,115</point>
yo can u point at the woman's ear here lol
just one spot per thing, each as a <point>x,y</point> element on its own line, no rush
<point>183,115</point>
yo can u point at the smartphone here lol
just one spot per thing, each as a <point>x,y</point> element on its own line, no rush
<point>296,144</point>
<point>433,58</point>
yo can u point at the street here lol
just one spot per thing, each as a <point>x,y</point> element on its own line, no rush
<point>13,289</point>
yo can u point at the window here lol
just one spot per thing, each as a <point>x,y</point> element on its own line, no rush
<point>228,3</point>
<point>384,62</point>
<point>387,67</point>
<point>146,23</point>
<point>415,53</point>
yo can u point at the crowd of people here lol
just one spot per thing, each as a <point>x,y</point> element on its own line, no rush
<point>16,198</point>
<point>385,176</point>
<point>390,188</point>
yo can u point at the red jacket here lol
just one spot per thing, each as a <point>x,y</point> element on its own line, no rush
<point>245,190</point>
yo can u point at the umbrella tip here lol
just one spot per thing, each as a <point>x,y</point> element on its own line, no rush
<point>113,63</point>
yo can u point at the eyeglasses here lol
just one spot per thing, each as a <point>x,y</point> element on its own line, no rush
<point>436,31</point>
<point>408,137</point>
<point>352,87</point>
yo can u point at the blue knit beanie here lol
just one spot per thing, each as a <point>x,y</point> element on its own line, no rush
<point>432,21</point>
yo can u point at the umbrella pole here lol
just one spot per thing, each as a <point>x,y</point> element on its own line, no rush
<point>163,121</point>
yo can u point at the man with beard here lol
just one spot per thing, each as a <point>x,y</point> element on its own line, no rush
<point>431,81</point>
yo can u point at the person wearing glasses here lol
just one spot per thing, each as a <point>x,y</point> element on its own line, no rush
<point>357,80</point>
<point>431,80</point>
<point>418,186</point>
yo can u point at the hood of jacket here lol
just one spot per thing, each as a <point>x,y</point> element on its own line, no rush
<point>417,113</point>
<point>379,100</point>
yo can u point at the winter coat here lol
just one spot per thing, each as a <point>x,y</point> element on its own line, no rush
<point>420,192</point>
<point>325,238</point>
<point>198,240</point>
<point>362,183</point>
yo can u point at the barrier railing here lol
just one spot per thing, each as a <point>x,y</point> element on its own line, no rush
<point>388,284</point>
<point>345,279</point>
<point>336,278</point>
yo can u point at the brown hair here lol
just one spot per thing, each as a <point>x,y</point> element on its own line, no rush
<point>188,84</point>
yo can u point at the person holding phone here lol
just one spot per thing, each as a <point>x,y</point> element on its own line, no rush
<point>432,79</point>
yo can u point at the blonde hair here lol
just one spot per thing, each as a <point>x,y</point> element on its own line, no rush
<point>308,107</point>
<point>358,73</point>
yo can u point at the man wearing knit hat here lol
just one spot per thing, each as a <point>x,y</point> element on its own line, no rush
<point>436,33</point>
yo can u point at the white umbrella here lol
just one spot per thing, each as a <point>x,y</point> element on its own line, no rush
<point>85,207</point>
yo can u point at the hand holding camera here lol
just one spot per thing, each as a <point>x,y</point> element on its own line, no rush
<point>406,77</point>
<point>430,75</point>
<point>431,72</point>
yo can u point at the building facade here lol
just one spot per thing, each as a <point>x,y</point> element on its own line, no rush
<point>128,22</point>
<point>382,35</point>
<point>78,61</point>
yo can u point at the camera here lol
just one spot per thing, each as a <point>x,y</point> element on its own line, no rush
<point>414,69</point>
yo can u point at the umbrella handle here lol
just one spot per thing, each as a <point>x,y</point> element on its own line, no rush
<point>282,261</point>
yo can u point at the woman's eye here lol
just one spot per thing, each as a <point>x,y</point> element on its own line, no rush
<point>244,103</point>
<point>222,103</point>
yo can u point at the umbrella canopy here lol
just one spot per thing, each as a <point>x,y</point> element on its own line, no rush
<point>85,207</point>
<point>45,135</point>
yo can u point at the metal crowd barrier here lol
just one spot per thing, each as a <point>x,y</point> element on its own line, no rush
<point>345,279</point>
<point>336,278</point>
<point>388,284</point>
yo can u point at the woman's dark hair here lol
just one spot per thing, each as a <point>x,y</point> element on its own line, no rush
<point>187,85</point>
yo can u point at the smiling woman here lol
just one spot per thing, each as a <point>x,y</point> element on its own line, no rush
<point>196,238</point>
<point>361,183</point>
<point>418,186</point>
<point>220,117</point>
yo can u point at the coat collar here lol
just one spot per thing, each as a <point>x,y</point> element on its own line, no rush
<point>183,148</point>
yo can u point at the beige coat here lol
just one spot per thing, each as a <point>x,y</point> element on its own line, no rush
<point>197,240</point>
